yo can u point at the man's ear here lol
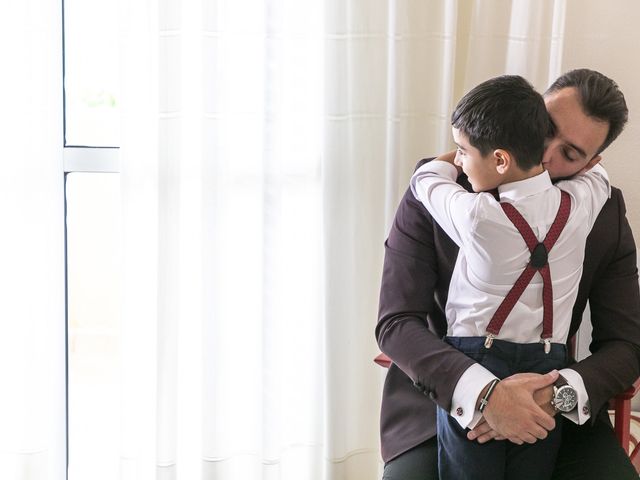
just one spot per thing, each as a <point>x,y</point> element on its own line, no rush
<point>591,163</point>
<point>503,160</point>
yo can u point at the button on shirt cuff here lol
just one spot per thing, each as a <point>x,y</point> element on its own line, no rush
<point>582,412</point>
<point>466,393</point>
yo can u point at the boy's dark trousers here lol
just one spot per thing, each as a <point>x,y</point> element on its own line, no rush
<point>460,458</point>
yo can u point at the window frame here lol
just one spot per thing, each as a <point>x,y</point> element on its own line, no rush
<point>91,159</point>
<point>85,159</point>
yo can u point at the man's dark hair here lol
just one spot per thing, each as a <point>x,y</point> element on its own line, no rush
<point>600,98</point>
<point>504,112</point>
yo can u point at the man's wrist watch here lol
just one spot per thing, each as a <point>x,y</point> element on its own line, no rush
<point>565,397</point>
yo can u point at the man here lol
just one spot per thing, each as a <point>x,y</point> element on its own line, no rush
<point>588,112</point>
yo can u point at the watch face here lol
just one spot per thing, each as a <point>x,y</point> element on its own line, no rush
<point>566,398</point>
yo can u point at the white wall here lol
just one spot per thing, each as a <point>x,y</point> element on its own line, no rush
<point>604,36</point>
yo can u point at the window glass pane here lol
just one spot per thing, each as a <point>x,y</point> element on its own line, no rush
<point>93,260</point>
<point>91,73</point>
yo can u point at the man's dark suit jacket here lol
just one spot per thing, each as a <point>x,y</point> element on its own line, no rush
<point>419,260</point>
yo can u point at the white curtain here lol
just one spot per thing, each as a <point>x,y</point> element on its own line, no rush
<point>32,301</point>
<point>223,318</point>
<point>265,147</point>
<point>252,241</point>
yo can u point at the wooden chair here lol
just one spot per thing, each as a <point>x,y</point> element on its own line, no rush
<point>627,423</point>
<point>623,418</point>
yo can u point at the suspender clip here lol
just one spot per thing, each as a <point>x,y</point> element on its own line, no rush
<point>547,345</point>
<point>489,340</point>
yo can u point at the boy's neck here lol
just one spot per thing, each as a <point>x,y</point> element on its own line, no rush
<point>517,174</point>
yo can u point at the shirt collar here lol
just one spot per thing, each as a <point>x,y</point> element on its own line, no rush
<point>525,188</point>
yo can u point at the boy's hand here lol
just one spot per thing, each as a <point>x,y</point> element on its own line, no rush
<point>449,157</point>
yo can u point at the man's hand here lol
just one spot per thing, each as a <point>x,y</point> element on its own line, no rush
<point>543,398</point>
<point>519,410</point>
<point>483,432</point>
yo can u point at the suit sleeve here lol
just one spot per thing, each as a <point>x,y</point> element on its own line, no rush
<point>614,299</point>
<point>404,331</point>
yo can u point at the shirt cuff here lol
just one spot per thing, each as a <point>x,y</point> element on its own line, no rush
<point>466,393</point>
<point>582,412</point>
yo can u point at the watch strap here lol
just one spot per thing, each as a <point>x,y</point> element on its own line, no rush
<point>560,382</point>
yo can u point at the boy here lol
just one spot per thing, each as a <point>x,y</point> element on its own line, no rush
<point>499,310</point>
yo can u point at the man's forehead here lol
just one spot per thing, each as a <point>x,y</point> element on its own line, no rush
<point>573,126</point>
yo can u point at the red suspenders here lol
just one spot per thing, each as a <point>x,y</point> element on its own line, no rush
<point>537,263</point>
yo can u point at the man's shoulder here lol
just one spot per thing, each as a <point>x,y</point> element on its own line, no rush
<point>614,204</point>
<point>611,217</point>
<point>616,193</point>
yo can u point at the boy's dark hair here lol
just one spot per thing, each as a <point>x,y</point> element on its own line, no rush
<point>504,112</point>
<point>600,98</point>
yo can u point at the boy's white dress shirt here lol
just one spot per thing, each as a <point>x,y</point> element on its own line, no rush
<point>493,254</point>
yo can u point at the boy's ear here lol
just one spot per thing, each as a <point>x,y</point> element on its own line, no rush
<point>503,160</point>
